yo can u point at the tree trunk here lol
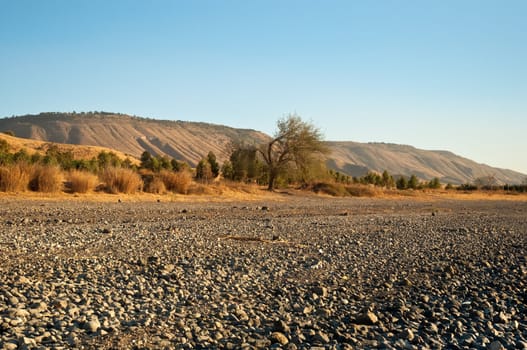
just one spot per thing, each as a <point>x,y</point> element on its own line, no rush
<point>272,178</point>
<point>270,187</point>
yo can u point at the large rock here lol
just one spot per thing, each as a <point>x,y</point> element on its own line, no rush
<point>366,318</point>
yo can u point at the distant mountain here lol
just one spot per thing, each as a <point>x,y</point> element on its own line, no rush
<point>358,158</point>
<point>190,141</point>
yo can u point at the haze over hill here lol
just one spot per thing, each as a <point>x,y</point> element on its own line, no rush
<point>190,141</point>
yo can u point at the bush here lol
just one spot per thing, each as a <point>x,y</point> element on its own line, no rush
<point>341,190</point>
<point>362,191</point>
<point>46,178</point>
<point>156,185</point>
<point>121,180</point>
<point>333,189</point>
<point>82,181</point>
<point>178,182</point>
<point>15,178</point>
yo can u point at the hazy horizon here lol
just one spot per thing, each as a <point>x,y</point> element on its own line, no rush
<point>438,76</point>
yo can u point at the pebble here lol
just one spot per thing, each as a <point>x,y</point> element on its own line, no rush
<point>278,338</point>
<point>388,276</point>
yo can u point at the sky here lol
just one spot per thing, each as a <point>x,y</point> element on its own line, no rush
<point>438,75</point>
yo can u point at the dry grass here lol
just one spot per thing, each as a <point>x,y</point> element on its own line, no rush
<point>177,182</point>
<point>358,190</point>
<point>341,190</point>
<point>82,181</point>
<point>15,178</point>
<point>78,151</point>
<point>203,189</point>
<point>46,178</point>
<point>156,186</point>
<point>121,180</point>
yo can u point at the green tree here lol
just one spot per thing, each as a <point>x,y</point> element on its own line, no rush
<point>227,170</point>
<point>203,170</point>
<point>387,179</point>
<point>245,163</point>
<point>146,160</point>
<point>295,143</point>
<point>402,184</point>
<point>165,163</point>
<point>4,146</point>
<point>214,166</point>
<point>178,166</point>
<point>413,183</point>
<point>372,178</point>
<point>108,159</point>
<point>22,156</point>
<point>434,183</point>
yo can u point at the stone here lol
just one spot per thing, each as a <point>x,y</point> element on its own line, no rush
<point>278,338</point>
<point>407,334</point>
<point>281,326</point>
<point>367,318</point>
<point>10,346</point>
<point>321,338</point>
<point>501,318</point>
<point>22,280</point>
<point>93,325</point>
<point>495,345</point>
<point>60,304</point>
<point>322,292</point>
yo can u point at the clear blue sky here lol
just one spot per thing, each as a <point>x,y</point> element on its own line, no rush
<point>433,74</point>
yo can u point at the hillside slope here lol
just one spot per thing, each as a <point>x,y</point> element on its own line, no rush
<point>190,141</point>
<point>131,135</point>
<point>78,151</point>
<point>357,158</point>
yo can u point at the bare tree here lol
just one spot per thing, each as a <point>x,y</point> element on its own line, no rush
<point>295,143</point>
<point>487,181</point>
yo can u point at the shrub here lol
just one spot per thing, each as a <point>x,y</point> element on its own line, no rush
<point>15,178</point>
<point>201,189</point>
<point>178,182</point>
<point>362,191</point>
<point>46,178</point>
<point>333,189</point>
<point>156,185</point>
<point>82,181</point>
<point>341,190</point>
<point>204,171</point>
<point>121,180</point>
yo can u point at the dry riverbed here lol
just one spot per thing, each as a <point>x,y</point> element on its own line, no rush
<point>302,273</point>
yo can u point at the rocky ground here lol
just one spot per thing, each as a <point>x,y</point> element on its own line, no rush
<point>304,273</point>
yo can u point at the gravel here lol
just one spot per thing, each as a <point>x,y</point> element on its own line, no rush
<point>302,273</point>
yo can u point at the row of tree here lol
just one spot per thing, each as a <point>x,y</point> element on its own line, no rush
<point>386,180</point>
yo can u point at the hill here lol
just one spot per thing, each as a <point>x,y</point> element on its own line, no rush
<point>78,151</point>
<point>131,135</point>
<point>358,158</point>
<point>190,141</point>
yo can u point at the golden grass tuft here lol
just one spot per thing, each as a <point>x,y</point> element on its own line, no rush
<point>82,181</point>
<point>156,186</point>
<point>15,178</point>
<point>121,180</point>
<point>178,182</point>
<point>202,189</point>
<point>341,190</point>
<point>46,178</point>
